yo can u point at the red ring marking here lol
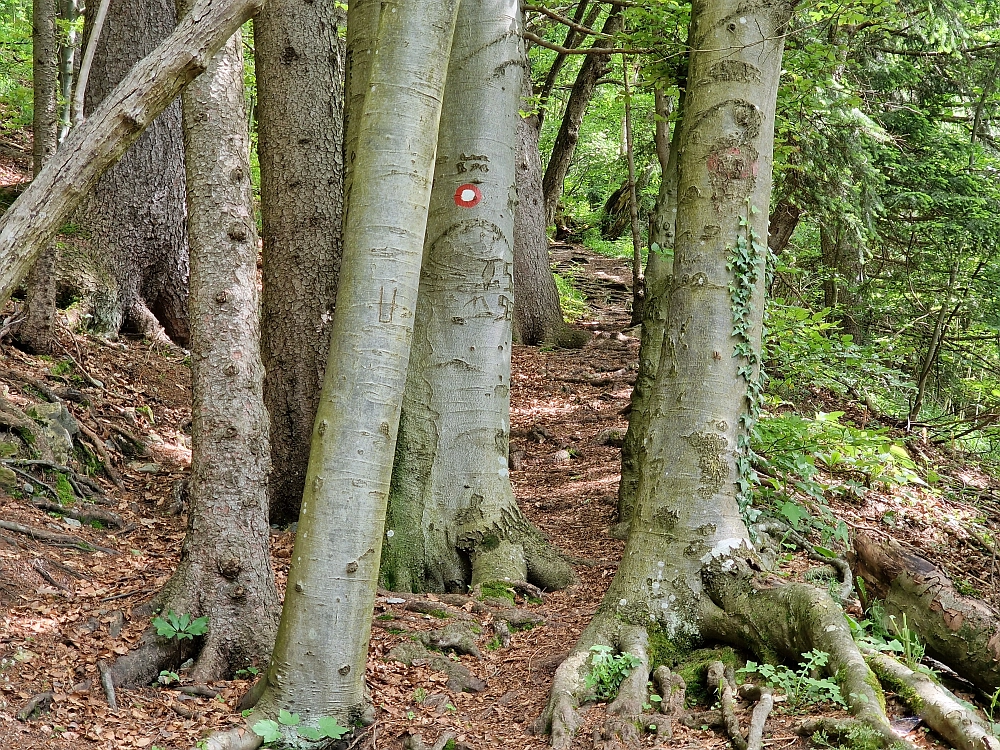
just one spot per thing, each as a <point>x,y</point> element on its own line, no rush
<point>467,195</point>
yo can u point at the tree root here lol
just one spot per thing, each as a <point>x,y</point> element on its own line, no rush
<point>722,679</point>
<point>84,514</point>
<point>933,703</point>
<point>241,738</point>
<point>839,564</point>
<point>98,445</point>
<point>789,620</point>
<point>561,717</point>
<point>59,540</point>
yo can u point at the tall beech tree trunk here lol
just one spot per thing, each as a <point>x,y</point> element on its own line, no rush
<point>134,255</point>
<point>659,268</point>
<point>593,69</point>
<point>36,333</point>
<point>537,314</point>
<point>452,517</point>
<point>318,670</point>
<point>686,570</point>
<point>300,86</point>
<point>225,568</point>
<point>35,217</point>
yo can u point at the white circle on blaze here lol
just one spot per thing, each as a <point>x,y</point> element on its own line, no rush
<point>468,195</point>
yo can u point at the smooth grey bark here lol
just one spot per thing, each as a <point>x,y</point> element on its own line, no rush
<point>35,217</point>
<point>537,313</point>
<point>225,568</point>
<point>684,573</point>
<point>135,248</point>
<point>318,663</point>
<point>593,69</point>
<point>300,116</point>
<point>452,519</point>
<point>659,267</point>
<point>36,334</point>
<point>638,292</point>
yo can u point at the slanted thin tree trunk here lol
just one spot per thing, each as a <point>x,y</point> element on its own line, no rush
<point>781,226</point>
<point>134,257</point>
<point>225,568</point>
<point>318,664</point>
<point>638,292</point>
<point>593,69</point>
<point>35,217</point>
<point>300,86</point>
<point>686,570</point>
<point>69,12</point>
<point>452,517</point>
<point>537,314</point>
<point>36,333</point>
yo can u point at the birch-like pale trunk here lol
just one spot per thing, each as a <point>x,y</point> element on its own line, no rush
<point>684,574</point>
<point>318,664</point>
<point>35,217</point>
<point>453,520</point>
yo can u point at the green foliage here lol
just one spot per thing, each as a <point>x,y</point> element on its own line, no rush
<point>171,626</point>
<point>15,65</point>
<point>168,678</point>
<point>326,727</point>
<point>64,490</point>
<point>571,300</point>
<point>608,670</point>
<point>800,686</point>
<point>791,450</point>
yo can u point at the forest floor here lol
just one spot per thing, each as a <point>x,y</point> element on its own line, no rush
<point>64,609</point>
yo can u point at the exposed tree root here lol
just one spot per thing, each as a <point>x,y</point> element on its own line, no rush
<point>789,620</point>
<point>933,703</point>
<point>59,540</point>
<point>83,513</point>
<point>240,738</point>
<point>839,564</point>
<point>960,631</point>
<point>721,680</point>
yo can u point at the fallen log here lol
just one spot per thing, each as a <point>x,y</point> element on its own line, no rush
<point>958,630</point>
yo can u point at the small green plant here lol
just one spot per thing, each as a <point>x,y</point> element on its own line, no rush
<point>326,727</point>
<point>419,695</point>
<point>61,367</point>
<point>608,670</point>
<point>172,625</point>
<point>168,678</point>
<point>800,686</point>
<point>247,672</point>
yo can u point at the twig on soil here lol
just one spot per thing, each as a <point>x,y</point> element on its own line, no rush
<point>126,594</point>
<point>38,565</point>
<point>57,539</point>
<point>86,515</point>
<point>108,683</point>
<point>39,702</point>
<point>31,478</point>
<point>201,690</point>
<point>102,453</point>
<point>83,372</point>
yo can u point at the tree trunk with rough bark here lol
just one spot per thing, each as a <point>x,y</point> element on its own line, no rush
<point>781,225</point>
<point>839,245</point>
<point>300,116</point>
<point>36,333</point>
<point>593,69</point>
<point>687,569</point>
<point>537,314</point>
<point>38,213</point>
<point>225,568</point>
<point>132,255</point>
<point>453,521</point>
<point>318,664</point>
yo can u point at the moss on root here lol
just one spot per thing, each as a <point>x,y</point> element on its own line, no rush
<point>693,670</point>
<point>900,688</point>
<point>496,590</point>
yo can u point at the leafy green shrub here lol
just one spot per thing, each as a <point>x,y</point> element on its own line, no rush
<point>792,450</point>
<point>608,670</point>
<point>171,625</point>
<point>327,727</point>
<point>800,686</point>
